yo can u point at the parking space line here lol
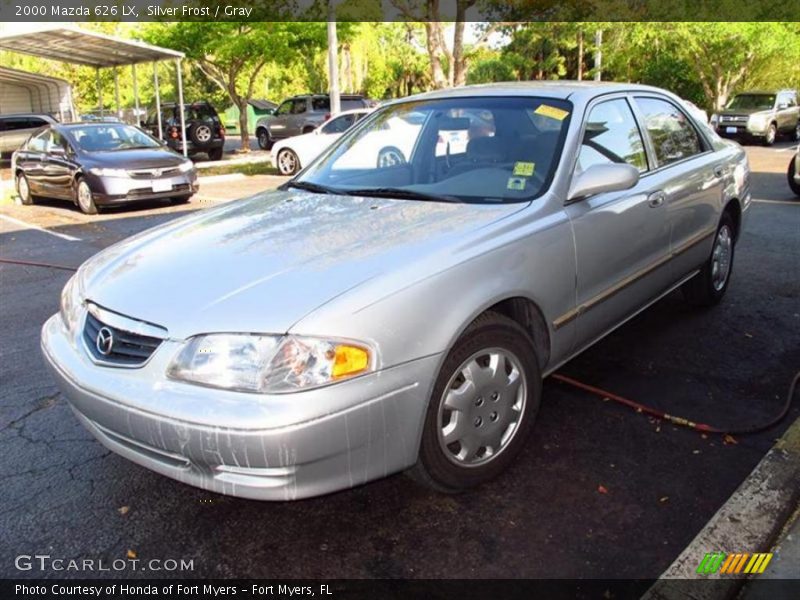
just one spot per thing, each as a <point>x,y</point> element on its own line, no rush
<point>789,202</point>
<point>63,236</point>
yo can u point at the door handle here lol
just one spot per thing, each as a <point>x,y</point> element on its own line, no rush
<point>656,199</point>
<point>719,171</point>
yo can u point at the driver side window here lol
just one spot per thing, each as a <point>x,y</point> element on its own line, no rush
<point>284,109</point>
<point>612,136</point>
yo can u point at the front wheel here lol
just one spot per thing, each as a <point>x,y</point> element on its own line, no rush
<point>796,132</point>
<point>708,287</point>
<point>483,405</point>
<point>771,135</point>
<point>791,175</point>
<point>288,162</point>
<point>24,190</point>
<point>85,198</point>
<point>262,136</point>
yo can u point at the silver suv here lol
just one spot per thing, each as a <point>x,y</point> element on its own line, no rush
<point>17,128</point>
<point>760,116</point>
<point>301,114</point>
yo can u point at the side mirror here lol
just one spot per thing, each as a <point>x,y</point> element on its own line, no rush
<point>783,105</point>
<point>597,179</point>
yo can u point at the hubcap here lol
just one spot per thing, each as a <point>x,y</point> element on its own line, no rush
<point>22,186</point>
<point>203,133</point>
<point>287,162</point>
<point>84,196</point>
<point>771,134</point>
<point>721,258</point>
<point>481,407</point>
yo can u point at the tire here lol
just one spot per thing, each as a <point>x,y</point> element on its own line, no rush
<point>390,156</point>
<point>790,173</point>
<point>308,129</point>
<point>502,419</point>
<point>181,199</point>
<point>264,141</point>
<point>215,154</point>
<point>709,286</point>
<point>24,189</point>
<point>288,162</point>
<point>771,135</point>
<point>796,133</point>
<point>84,198</point>
<point>200,133</point>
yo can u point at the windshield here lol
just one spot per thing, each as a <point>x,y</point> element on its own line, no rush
<point>107,138</point>
<point>753,101</point>
<point>488,149</point>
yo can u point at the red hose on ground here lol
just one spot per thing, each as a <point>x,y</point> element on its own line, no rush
<point>680,420</point>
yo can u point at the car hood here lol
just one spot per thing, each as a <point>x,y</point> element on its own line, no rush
<point>135,159</point>
<point>262,264</point>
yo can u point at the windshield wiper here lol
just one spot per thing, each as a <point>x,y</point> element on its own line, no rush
<point>401,194</point>
<point>311,187</point>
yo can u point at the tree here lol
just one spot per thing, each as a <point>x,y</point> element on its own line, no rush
<point>234,55</point>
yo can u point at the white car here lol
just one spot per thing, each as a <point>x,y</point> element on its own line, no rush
<point>294,153</point>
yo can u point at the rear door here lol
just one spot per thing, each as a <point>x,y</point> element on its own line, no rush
<point>690,174</point>
<point>621,238</point>
<point>787,112</point>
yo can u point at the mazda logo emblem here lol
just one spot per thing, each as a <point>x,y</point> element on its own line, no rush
<point>157,172</point>
<point>105,341</point>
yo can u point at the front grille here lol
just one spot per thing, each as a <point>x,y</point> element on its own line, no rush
<point>152,173</point>
<point>733,119</point>
<point>126,349</point>
<point>182,188</point>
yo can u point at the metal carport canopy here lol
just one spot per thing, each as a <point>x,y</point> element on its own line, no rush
<point>21,91</point>
<point>88,48</point>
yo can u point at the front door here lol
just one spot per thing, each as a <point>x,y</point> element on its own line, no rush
<point>621,238</point>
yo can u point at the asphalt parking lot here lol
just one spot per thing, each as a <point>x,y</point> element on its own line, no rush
<point>599,492</point>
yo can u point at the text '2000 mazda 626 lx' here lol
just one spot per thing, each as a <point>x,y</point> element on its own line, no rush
<point>373,316</point>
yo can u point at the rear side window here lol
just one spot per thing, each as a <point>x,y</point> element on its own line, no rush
<point>673,136</point>
<point>320,104</point>
<point>352,104</point>
<point>15,123</point>
<point>612,136</point>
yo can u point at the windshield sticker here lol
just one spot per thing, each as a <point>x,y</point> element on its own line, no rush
<point>516,183</point>
<point>524,169</point>
<point>551,111</point>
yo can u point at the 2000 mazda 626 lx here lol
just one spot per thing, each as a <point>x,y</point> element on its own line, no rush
<point>397,304</point>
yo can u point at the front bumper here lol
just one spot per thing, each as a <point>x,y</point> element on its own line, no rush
<point>741,131</point>
<point>117,190</point>
<point>279,447</point>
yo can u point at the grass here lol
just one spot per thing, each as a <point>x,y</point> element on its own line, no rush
<point>257,168</point>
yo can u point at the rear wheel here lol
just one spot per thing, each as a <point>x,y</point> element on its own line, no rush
<point>288,162</point>
<point>24,190</point>
<point>796,132</point>
<point>483,406</point>
<point>215,154</point>
<point>264,141</point>
<point>791,174</point>
<point>85,198</point>
<point>708,287</point>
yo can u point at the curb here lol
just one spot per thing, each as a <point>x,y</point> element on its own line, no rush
<point>749,521</point>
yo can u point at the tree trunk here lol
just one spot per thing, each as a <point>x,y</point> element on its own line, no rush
<point>433,34</point>
<point>244,133</point>
<point>580,55</point>
<point>458,65</point>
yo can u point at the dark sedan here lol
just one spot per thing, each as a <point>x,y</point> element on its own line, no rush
<point>100,164</point>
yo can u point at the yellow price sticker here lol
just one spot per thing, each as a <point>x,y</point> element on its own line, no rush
<point>524,169</point>
<point>551,111</point>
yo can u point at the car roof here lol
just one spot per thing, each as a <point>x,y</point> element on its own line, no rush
<point>352,111</point>
<point>578,91</point>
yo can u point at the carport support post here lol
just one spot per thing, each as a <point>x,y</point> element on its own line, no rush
<point>135,95</point>
<point>158,101</point>
<point>180,103</point>
<point>99,93</point>
<point>116,92</point>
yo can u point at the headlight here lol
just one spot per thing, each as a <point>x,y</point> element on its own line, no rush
<point>71,301</point>
<point>109,172</point>
<point>268,364</point>
<point>186,166</point>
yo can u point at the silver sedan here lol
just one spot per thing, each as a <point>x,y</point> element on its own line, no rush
<point>378,316</point>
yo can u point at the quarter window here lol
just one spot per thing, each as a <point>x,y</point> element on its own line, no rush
<point>612,136</point>
<point>39,142</point>
<point>673,136</point>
